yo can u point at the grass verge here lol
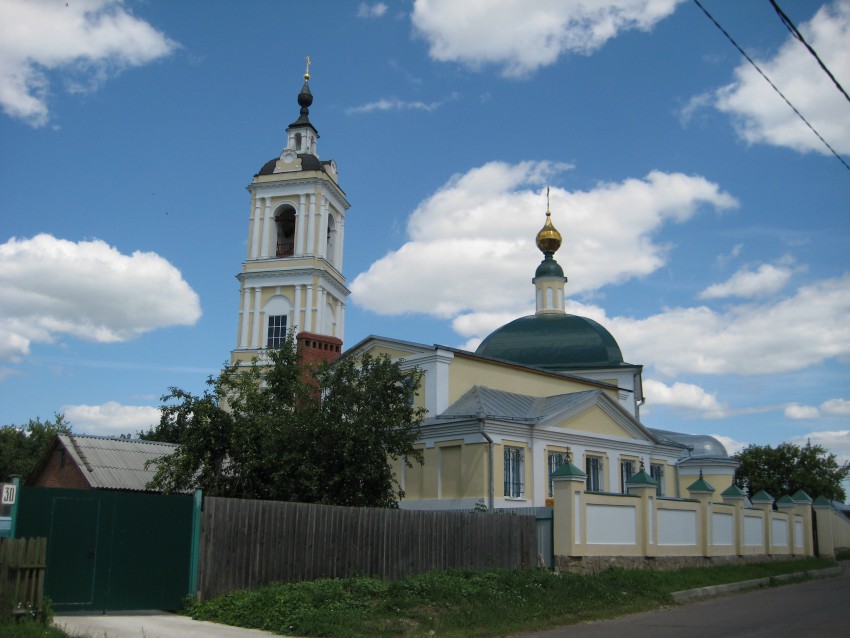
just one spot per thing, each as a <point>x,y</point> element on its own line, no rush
<point>461,603</point>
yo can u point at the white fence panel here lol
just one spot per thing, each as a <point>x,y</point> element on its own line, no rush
<point>611,525</point>
<point>722,529</point>
<point>677,527</point>
<point>753,531</point>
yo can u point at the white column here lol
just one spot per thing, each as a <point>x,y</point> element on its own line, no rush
<point>323,228</point>
<point>340,236</point>
<point>300,225</point>
<point>256,229</point>
<point>340,320</point>
<point>311,225</point>
<point>296,311</point>
<point>308,309</point>
<point>246,313</point>
<point>320,309</point>
<point>267,213</point>
<point>258,300</point>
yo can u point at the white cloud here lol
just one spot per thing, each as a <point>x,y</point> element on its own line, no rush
<point>87,40</point>
<point>767,279</point>
<point>685,396</point>
<point>482,224</point>
<point>522,36</point>
<point>50,287</point>
<point>837,442</point>
<point>761,116</point>
<point>111,418</point>
<point>376,10</point>
<point>394,104</point>
<point>770,337</point>
<point>797,412</point>
<point>837,407</point>
<point>732,446</point>
<point>832,407</point>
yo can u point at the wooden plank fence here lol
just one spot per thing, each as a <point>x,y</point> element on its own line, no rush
<point>22,565</point>
<point>246,543</point>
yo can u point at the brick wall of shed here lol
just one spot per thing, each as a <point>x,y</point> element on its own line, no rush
<point>54,475</point>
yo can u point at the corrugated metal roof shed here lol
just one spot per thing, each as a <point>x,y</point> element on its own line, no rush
<point>115,464</point>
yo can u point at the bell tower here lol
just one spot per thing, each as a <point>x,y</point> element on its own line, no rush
<point>292,277</point>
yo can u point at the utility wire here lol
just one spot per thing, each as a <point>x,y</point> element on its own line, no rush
<point>773,86</point>
<point>793,29</point>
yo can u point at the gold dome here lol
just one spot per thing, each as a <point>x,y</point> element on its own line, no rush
<point>548,239</point>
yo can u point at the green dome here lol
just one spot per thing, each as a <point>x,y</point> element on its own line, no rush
<point>549,268</point>
<point>553,342</point>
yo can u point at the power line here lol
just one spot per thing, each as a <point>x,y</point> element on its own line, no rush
<point>793,29</point>
<point>773,86</point>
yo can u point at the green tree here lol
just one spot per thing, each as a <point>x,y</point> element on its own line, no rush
<point>21,446</point>
<point>788,468</point>
<point>287,431</point>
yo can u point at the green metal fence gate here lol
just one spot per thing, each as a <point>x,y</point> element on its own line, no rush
<point>112,550</point>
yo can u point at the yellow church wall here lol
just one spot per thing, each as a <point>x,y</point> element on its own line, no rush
<point>451,470</point>
<point>465,373</point>
<point>594,420</point>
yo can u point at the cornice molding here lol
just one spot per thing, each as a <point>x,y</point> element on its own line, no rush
<point>298,185</point>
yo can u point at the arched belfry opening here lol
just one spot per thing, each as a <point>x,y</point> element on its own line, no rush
<point>285,222</point>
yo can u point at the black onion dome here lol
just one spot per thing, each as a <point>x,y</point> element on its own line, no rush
<point>553,342</point>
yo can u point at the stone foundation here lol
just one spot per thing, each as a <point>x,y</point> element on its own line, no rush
<point>597,564</point>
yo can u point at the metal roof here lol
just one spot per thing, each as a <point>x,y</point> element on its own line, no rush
<point>487,402</point>
<point>116,464</point>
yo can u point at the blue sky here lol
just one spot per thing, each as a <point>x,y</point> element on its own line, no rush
<point>704,224</point>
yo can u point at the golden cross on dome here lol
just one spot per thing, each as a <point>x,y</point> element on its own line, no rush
<point>548,212</point>
<point>307,72</point>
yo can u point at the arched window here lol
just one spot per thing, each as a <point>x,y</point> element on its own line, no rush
<point>285,222</point>
<point>298,141</point>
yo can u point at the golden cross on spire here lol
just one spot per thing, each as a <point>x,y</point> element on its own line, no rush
<point>307,72</point>
<point>548,212</point>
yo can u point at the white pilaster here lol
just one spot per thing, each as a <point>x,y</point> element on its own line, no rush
<point>267,213</point>
<point>296,311</point>
<point>256,229</point>
<point>300,225</point>
<point>308,310</point>
<point>320,309</point>
<point>323,228</point>
<point>246,314</point>
<point>340,237</point>
<point>340,321</point>
<point>311,225</point>
<point>258,300</point>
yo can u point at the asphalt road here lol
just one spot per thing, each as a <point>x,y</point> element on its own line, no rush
<point>815,608</point>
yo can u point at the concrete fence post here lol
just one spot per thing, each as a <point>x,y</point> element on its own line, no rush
<point>735,496</point>
<point>568,484</point>
<point>804,508</point>
<point>826,541</point>
<point>644,486</point>
<point>763,501</point>
<point>787,506</point>
<point>703,491</point>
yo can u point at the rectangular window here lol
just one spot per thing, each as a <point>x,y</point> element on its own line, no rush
<point>627,470</point>
<point>514,472</point>
<point>593,468</point>
<point>656,471</point>
<point>556,460</point>
<point>277,331</point>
